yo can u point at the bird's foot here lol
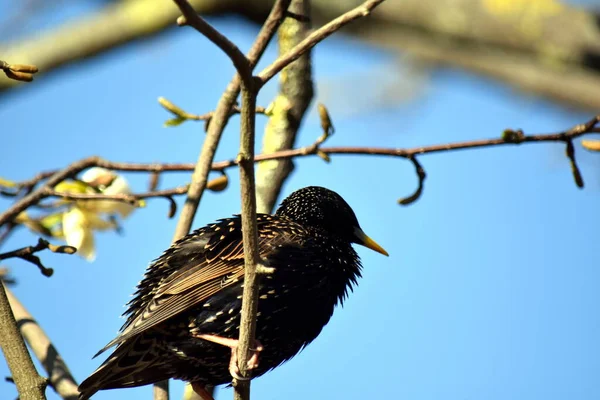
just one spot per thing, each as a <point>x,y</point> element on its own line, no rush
<point>234,370</point>
<point>201,391</point>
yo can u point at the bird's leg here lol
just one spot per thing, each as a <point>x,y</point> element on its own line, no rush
<point>233,344</point>
<point>201,391</point>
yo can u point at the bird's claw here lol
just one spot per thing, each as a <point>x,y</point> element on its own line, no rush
<point>234,370</point>
<point>252,363</point>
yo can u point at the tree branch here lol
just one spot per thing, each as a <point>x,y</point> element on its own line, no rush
<point>220,118</point>
<point>182,115</point>
<point>191,18</point>
<point>27,254</point>
<point>116,24</point>
<point>60,377</point>
<point>219,121</point>
<point>250,238</point>
<point>37,195</point>
<point>133,198</point>
<point>317,36</point>
<point>510,137</point>
<point>30,384</point>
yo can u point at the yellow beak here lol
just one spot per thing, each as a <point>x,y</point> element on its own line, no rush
<point>366,241</point>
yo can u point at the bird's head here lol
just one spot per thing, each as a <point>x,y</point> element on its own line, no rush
<point>316,206</point>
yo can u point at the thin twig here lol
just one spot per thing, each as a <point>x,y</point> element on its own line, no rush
<point>130,198</point>
<point>311,150</point>
<point>60,377</point>
<point>219,120</point>
<point>30,384</point>
<point>191,18</point>
<point>35,196</point>
<point>317,36</point>
<point>421,175</point>
<point>27,254</point>
<point>181,115</point>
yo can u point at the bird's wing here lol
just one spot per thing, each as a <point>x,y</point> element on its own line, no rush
<point>204,267</point>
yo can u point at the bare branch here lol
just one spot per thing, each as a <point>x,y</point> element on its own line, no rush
<point>421,175</point>
<point>219,121</point>
<point>250,238</point>
<point>221,117</point>
<point>109,27</point>
<point>60,377</point>
<point>37,195</point>
<point>191,18</point>
<point>510,137</point>
<point>133,199</point>
<point>570,152</point>
<point>30,384</point>
<point>317,36</point>
<point>27,254</point>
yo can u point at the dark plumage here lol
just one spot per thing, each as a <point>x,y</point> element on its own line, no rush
<point>195,287</point>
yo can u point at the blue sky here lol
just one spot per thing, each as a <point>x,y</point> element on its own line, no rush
<point>491,287</point>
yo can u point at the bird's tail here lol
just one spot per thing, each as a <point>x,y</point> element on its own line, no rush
<point>134,362</point>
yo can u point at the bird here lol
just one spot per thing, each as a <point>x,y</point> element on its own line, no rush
<point>183,320</point>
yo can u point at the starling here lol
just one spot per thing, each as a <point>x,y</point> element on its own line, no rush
<point>183,321</point>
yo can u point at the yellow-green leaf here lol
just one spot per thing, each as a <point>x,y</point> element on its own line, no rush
<point>174,122</point>
<point>72,187</point>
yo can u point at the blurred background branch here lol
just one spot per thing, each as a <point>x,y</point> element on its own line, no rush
<point>30,384</point>
<point>60,378</point>
<point>118,23</point>
<point>289,106</point>
<point>517,42</point>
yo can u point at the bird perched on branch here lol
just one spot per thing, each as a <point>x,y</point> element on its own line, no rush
<point>183,322</point>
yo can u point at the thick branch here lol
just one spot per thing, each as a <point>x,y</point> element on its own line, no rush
<point>30,384</point>
<point>250,237</point>
<point>219,121</point>
<point>60,377</point>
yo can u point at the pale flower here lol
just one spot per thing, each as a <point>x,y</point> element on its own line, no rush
<point>78,233</point>
<point>85,216</point>
<point>107,182</point>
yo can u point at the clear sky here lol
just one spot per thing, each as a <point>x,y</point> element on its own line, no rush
<point>491,287</point>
